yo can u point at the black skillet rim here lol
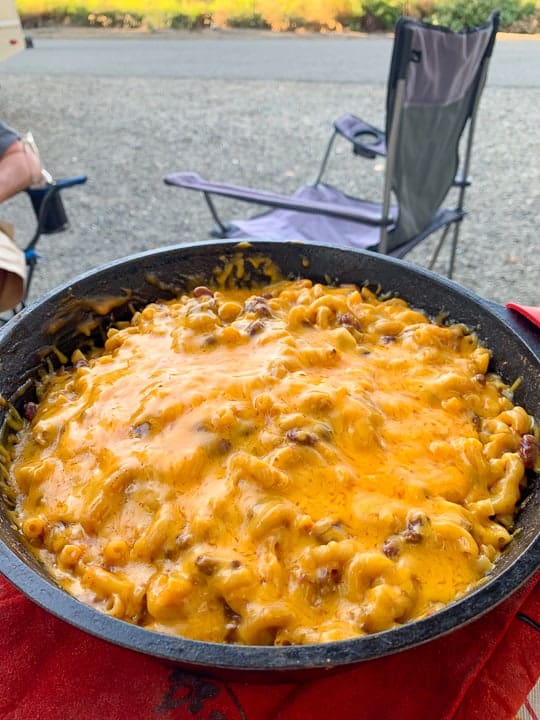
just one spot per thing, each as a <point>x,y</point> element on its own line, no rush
<point>42,590</point>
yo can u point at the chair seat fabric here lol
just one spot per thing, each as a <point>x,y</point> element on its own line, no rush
<point>283,224</point>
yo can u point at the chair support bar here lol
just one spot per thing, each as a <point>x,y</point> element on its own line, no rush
<point>214,213</point>
<point>325,158</point>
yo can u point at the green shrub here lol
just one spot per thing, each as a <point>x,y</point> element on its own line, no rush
<point>189,22</point>
<point>55,16</point>
<point>255,21</point>
<point>76,16</point>
<point>80,16</point>
<point>381,14</point>
<point>460,13</point>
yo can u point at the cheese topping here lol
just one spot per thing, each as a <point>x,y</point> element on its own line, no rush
<point>302,465</point>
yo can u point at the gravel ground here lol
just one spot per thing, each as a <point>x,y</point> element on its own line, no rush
<point>126,134</point>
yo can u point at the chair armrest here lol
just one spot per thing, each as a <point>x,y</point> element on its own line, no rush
<point>193,181</point>
<point>60,184</point>
<point>367,140</point>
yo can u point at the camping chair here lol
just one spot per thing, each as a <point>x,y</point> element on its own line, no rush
<point>51,218</point>
<point>435,82</point>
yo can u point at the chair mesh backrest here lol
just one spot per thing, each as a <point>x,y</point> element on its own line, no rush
<point>443,75</point>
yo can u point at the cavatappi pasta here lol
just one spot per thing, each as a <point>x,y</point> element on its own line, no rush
<point>294,465</point>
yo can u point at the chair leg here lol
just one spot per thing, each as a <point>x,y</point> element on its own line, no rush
<point>215,215</point>
<point>453,250</point>
<point>325,158</point>
<point>438,248</point>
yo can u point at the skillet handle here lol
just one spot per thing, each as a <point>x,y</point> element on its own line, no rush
<point>526,330</point>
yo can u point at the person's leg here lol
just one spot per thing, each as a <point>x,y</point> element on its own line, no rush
<point>12,271</point>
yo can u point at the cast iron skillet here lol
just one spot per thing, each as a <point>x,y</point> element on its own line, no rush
<point>163,273</point>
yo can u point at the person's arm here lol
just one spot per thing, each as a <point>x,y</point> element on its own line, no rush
<point>19,166</point>
<point>7,137</point>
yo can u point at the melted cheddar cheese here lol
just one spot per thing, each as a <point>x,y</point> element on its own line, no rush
<point>302,465</point>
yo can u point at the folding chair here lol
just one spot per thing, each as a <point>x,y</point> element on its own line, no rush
<point>51,218</point>
<point>50,215</point>
<point>435,82</point>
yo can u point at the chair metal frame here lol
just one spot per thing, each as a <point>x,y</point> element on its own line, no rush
<point>50,218</point>
<point>369,142</point>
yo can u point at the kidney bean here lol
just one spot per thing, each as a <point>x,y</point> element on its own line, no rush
<point>392,546</point>
<point>206,564</point>
<point>30,410</point>
<point>416,524</point>
<point>349,321</point>
<point>328,576</point>
<point>259,306</point>
<point>528,451</point>
<point>302,437</point>
<point>201,290</point>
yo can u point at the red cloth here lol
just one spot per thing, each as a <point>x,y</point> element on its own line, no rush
<point>52,671</point>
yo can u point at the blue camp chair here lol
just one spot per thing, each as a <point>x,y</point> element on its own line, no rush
<point>435,82</point>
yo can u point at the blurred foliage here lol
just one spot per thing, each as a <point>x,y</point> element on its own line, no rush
<point>457,13</point>
<point>281,15</point>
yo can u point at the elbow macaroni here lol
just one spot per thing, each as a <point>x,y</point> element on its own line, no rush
<point>305,465</point>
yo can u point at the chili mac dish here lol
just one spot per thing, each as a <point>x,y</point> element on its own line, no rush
<point>294,464</point>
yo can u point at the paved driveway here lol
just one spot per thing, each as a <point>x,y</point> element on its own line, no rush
<point>244,56</point>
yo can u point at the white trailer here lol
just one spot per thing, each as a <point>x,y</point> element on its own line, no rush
<point>12,38</point>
